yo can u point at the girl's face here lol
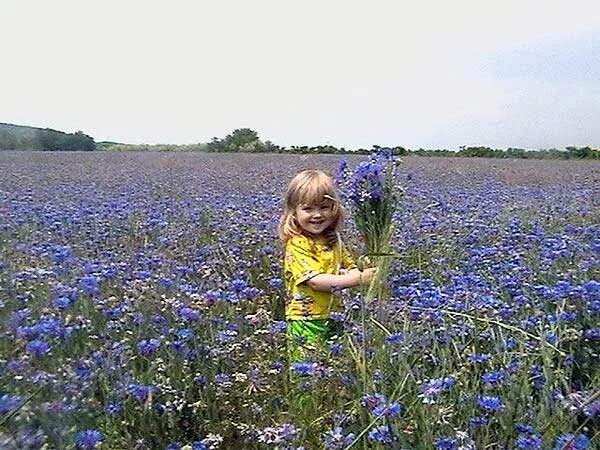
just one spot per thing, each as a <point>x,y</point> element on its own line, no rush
<point>314,219</point>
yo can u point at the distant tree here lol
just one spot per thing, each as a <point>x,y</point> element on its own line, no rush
<point>8,141</point>
<point>582,152</point>
<point>53,141</point>
<point>78,142</point>
<point>242,139</point>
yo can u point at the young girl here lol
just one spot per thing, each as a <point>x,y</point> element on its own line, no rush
<point>316,262</point>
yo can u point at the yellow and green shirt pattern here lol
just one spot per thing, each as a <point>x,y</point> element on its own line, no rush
<point>305,258</point>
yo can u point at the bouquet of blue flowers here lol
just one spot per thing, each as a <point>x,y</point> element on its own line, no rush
<point>372,195</point>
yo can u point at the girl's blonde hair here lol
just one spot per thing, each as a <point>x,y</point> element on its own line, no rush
<point>309,187</point>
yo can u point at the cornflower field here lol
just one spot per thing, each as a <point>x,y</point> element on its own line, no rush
<point>141,307</point>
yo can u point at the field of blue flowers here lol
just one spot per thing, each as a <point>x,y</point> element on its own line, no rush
<point>141,303</point>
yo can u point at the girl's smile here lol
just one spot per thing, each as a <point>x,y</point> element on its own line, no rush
<point>314,219</point>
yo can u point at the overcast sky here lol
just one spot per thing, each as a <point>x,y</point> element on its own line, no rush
<point>347,73</point>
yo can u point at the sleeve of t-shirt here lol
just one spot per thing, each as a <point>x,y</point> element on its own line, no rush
<point>302,263</point>
<point>347,260</point>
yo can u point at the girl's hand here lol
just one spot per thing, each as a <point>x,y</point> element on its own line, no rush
<point>367,275</point>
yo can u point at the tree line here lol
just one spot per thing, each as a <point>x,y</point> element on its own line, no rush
<point>246,140</point>
<point>14,137</point>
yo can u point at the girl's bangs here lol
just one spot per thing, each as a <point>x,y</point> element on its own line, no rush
<point>316,193</point>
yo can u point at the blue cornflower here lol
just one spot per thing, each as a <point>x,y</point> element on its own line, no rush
<point>9,403</point>
<point>569,441</point>
<point>593,409</point>
<point>113,313</point>
<point>173,446</point>
<point>489,403</point>
<point>38,348</point>
<point>373,401</point>
<point>395,338</point>
<point>275,282</point>
<point>148,347</point>
<point>493,378</point>
<point>278,327</point>
<point>222,378</point>
<point>61,253</point>
<point>199,445</point>
<point>88,439</point>
<point>336,349</point>
<point>305,368</point>
<point>381,434</point>
<point>479,359</point>
<point>537,376</point>
<point>184,333</point>
<point>137,318</point>
<point>141,391</point>
<point>531,442</point>
<point>90,284</point>
<point>114,408</point>
<point>61,302</point>
<point>479,421</point>
<point>378,405</point>
<point>524,428</point>
<point>83,371</point>
<point>593,334</point>
<point>446,444</point>
<point>392,410</point>
<point>238,285</point>
<point>251,292</point>
<point>336,440</point>
<point>189,314</point>
<point>433,388</point>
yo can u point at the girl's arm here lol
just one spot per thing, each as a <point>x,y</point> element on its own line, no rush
<point>326,282</point>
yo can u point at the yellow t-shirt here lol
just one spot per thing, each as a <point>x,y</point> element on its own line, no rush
<point>304,258</point>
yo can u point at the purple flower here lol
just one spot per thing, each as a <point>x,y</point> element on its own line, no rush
<point>222,378</point>
<point>90,284</point>
<point>479,359</point>
<point>173,446</point>
<point>189,314</point>
<point>114,408</point>
<point>593,334</point>
<point>88,439</point>
<point>381,434</point>
<point>141,391</point>
<point>61,302</point>
<point>148,347</point>
<point>446,444</point>
<point>479,421</point>
<point>38,348</point>
<point>305,368</point>
<point>489,403</point>
<point>531,442</point>
<point>433,388</point>
<point>524,428</point>
<point>569,441</point>
<point>493,378</point>
<point>10,403</point>
<point>336,440</point>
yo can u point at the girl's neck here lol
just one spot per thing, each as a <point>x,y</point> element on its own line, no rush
<point>315,237</point>
<point>328,237</point>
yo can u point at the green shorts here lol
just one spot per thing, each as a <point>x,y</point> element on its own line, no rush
<point>307,336</point>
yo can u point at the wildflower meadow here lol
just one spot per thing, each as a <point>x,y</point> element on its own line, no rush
<point>141,301</point>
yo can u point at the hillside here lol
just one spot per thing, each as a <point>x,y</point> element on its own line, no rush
<point>20,137</point>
